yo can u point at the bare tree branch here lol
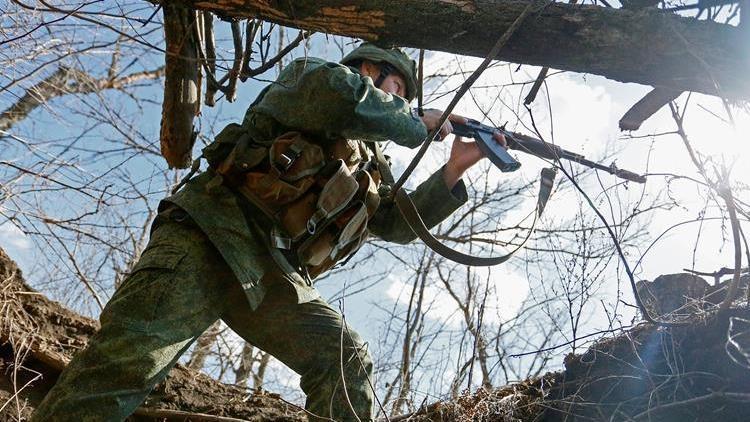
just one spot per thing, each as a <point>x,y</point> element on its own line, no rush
<point>66,81</point>
<point>646,107</point>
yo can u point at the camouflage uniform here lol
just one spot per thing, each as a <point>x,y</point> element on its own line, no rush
<point>206,250</point>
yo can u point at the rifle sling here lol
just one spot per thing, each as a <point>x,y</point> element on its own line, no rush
<point>414,220</point>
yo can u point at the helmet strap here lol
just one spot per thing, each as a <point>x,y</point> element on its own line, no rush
<point>385,70</point>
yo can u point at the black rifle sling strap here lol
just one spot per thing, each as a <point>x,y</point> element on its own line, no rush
<point>414,220</point>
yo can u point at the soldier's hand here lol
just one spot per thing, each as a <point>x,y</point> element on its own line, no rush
<point>431,119</point>
<point>463,156</point>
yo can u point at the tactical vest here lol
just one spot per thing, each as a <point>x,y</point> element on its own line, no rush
<point>319,196</point>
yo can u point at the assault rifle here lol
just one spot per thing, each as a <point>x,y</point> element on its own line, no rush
<point>506,163</point>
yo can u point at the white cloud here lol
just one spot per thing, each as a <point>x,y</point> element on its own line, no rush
<point>583,115</point>
<point>13,238</point>
<point>511,290</point>
<point>508,290</point>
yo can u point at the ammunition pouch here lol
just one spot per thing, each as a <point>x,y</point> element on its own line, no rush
<point>319,198</point>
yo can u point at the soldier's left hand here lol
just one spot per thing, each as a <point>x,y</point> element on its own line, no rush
<point>463,156</point>
<point>466,154</point>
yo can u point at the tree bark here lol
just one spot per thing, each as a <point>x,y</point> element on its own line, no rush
<point>182,85</point>
<point>203,347</point>
<point>647,47</point>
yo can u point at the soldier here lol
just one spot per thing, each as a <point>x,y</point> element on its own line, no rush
<point>288,193</point>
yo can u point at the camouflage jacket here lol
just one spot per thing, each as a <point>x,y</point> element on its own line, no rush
<point>324,100</point>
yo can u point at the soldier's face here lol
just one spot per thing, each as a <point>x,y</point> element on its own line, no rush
<point>394,83</point>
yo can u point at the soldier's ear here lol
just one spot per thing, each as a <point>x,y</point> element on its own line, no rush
<point>369,68</point>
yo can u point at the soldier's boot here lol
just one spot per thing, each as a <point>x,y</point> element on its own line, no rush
<point>155,314</point>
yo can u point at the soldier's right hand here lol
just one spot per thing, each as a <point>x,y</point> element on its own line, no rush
<point>432,117</point>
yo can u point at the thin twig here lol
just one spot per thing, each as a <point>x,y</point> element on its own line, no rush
<point>183,415</point>
<point>567,343</point>
<point>275,59</point>
<point>251,30</point>
<point>716,274</point>
<point>621,254</point>
<point>726,194</point>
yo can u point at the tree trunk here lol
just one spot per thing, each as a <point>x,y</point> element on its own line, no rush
<point>203,346</point>
<point>260,373</point>
<point>245,370</point>
<point>647,47</point>
<point>182,85</point>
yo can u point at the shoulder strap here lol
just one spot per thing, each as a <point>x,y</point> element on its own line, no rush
<point>414,220</point>
<point>193,169</point>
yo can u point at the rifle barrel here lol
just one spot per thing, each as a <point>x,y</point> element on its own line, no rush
<point>534,146</point>
<point>552,152</point>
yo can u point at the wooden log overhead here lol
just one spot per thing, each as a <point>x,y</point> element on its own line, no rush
<point>648,47</point>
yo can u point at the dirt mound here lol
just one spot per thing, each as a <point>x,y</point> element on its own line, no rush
<point>696,371</point>
<point>38,337</point>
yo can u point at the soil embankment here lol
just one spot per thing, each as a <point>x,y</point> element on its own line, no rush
<point>698,370</point>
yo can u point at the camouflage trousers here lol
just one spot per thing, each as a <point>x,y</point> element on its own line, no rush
<point>177,290</point>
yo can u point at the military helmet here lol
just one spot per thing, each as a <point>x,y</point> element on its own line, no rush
<point>393,56</point>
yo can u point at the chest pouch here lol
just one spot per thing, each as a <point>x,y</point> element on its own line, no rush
<point>320,200</point>
<point>333,190</point>
<point>342,235</point>
<point>287,173</point>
